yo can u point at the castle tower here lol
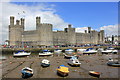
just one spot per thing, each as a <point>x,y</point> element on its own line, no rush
<point>101,36</point>
<point>11,20</point>
<point>71,38</point>
<point>69,26</point>
<point>17,22</point>
<point>90,35</point>
<point>45,34</point>
<point>89,29</point>
<point>37,21</point>
<point>94,37</point>
<point>15,32</point>
<point>11,30</point>
<point>85,31</point>
<point>22,22</point>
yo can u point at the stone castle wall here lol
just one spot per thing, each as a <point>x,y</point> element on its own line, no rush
<point>30,37</point>
<point>43,35</point>
<point>59,38</point>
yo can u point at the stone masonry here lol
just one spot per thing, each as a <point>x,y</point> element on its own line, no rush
<point>45,36</point>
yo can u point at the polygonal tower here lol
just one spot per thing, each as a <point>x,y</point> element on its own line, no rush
<point>15,31</point>
<point>45,34</point>
<point>101,35</point>
<point>71,35</point>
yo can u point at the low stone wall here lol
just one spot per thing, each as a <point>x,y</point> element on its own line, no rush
<point>36,50</point>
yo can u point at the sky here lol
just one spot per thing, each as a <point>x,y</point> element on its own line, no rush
<point>98,15</point>
<point>94,14</point>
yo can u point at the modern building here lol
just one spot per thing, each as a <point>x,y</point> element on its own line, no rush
<point>114,39</point>
<point>45,36</point>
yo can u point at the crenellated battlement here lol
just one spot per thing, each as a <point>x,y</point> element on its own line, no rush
<point>47,24</point>
<point>19,23</point>
<point>44,34</point>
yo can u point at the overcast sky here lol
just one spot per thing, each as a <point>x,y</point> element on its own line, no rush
<point>98,15</point>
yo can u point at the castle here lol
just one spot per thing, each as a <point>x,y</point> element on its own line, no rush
<point>45,36</point>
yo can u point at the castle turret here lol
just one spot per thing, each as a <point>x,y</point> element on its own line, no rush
<point>11,20</point>
<point>89,29</point>
<point>69,26</point>
<point>45,34</point>
<point>17,22</point>
<point>22,22</point>
<point>101,36</point>
<point>71,39</point>
<point>15,32</point>
<point>37,21</point>
<point>94,37</point>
